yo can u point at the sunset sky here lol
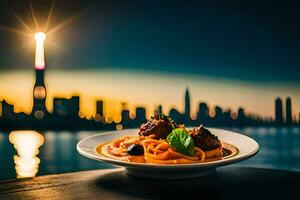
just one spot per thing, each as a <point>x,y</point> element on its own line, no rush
<point>146,88</point>
<point>148,52</point>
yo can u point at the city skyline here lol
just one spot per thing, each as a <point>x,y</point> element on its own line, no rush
<point>66,115</point>
<point>115,87</point>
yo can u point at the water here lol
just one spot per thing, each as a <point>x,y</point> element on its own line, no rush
<point>280,149</point>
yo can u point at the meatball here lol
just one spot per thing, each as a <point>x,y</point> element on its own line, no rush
<point>204,139</point>
<point>160,126</point>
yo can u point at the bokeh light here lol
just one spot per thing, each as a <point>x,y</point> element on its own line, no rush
<point>27,145</point>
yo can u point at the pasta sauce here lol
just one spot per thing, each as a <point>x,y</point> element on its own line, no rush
<point>159,151</point>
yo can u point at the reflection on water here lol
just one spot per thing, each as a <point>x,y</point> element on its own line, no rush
<point>279,149</point>
<point>27,145</point>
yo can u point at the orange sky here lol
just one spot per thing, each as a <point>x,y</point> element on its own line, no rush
<point>145,88</point>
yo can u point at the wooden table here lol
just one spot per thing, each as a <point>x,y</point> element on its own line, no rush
<point>227,183</point>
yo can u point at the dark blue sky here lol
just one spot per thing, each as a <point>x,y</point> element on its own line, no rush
<point>257,41</point>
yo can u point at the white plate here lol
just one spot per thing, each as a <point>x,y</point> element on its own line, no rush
<point>247,148</point>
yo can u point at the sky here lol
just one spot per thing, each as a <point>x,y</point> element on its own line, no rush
<point>248,49</point>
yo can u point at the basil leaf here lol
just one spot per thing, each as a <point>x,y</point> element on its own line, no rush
<point>181,141</point>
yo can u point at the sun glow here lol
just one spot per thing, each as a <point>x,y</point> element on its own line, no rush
<point>39,50</point>
<point>41,27</point>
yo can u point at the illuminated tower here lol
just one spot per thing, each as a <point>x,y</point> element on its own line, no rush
<point>187,106</point>
<point>39,91</point>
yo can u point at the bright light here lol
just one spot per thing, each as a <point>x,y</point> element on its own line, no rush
<point>40,36</point>
<point>27,144</point>
<point>39,50</point>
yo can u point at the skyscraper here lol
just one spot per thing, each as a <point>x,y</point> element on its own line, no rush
<point>187,105</point>
<point>288,111</point>
<point>126,120</point>
<point>39,91</point>
<point>241,117</point>
<point>177,116</point>
<point>99,108</point>
<point>203,112</point>
<point>125,115</point>
<point>278,111</point>
<point>7,110</point>
<point>140,115</point>
<point>218,113</point>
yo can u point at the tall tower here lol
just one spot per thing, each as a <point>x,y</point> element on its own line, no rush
<point>288,111</point>
<point>187,105</point>
<point>39,91</point>
<point>278,112</point>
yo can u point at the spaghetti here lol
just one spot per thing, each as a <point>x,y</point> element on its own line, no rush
<point>161,141</point>
<point>158,151</point>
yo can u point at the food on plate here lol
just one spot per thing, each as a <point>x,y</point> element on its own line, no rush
<point>208,142</point>
<point>160,126</point>
<point>162,141</point>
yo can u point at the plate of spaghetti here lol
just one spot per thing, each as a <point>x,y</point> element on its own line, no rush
<point>162,149</point>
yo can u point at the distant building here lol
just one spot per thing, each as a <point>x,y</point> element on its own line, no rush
<point>218,112</point>
<point>187,106</point>
<point>288,111</point>
<point>125,118</point>
<point>125,115</point>
<point>99,108</point>
<point>7,110</point>
<point>177,116</point>
<point>203,112</point>
<point>68,108</point>
<point>278,112</point>
<point>218,118</point>
<point>140,116</point>
<point>241,117</point>
<point>227,117</point>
